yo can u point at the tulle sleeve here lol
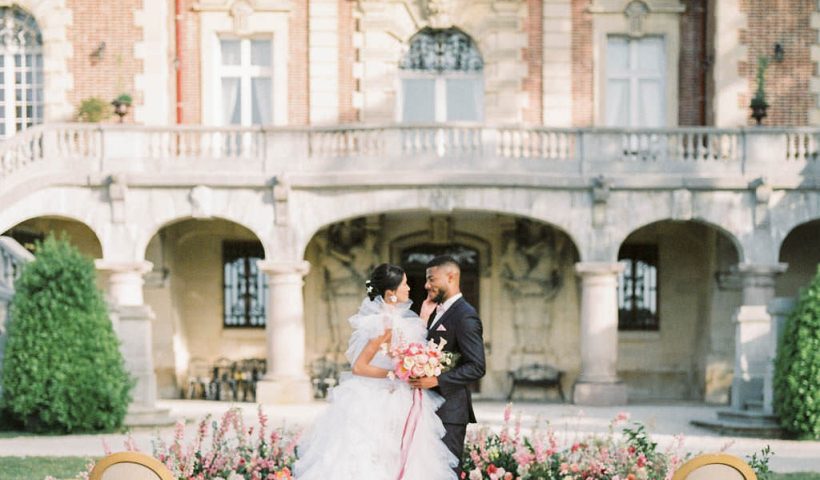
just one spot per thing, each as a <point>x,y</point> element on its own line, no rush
<point>366,326</point>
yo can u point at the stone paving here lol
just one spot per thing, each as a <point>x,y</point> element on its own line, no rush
<point>664,422</point>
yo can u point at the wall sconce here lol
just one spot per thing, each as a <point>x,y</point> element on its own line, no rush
<point>779,52</point>
<point>98,52</point>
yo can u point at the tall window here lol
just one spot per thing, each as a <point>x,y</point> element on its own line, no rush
<point>635,84</point>
<point>245,71</point>
<point>442,78</point>
<point>21,71</point>
<point>638,288</point>
<point>245,286</point>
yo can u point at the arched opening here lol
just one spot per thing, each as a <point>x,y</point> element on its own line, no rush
<point>21,77</point>
<point>29,232</point>
<point>517,272</point>
<point>209,298</point>
<point>441,78</point>
<point>676,297</point>
<point>800,250</point>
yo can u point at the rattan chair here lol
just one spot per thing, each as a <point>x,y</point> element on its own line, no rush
<point>130,466</point>
<point>715,466</point>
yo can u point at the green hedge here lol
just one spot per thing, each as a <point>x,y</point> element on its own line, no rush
<point>797,367</point>
<point>63,371</point>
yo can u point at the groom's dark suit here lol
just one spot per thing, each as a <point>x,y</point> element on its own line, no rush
<point>461,328</point>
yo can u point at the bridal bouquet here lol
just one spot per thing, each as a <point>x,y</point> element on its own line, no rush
<point>419,360</point>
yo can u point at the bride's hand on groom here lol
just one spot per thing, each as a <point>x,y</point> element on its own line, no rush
<point>425,383</point>
<point>427,307</point>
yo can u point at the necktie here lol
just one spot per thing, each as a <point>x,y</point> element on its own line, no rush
<point>436,313</point>
<point>432,318</point>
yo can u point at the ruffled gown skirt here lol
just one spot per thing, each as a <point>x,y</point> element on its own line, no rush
<point>359,435</point>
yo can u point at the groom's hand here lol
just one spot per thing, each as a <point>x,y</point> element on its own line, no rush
<point>425,383</point>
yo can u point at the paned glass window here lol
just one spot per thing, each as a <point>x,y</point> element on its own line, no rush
<point>246,81</point>
<point>21,71</point>
<point>635,86</point>
<point>638,288</point>
<point>442,78</point>
<point>245,286</point>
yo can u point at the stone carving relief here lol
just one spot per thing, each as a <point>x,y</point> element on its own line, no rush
<point>532,275</point>
<point>117,191</point>
<point>636,13</point>
<point>349,251</point>
<point>201,198</point>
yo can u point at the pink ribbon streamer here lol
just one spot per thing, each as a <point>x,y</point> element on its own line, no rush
<point>409,431</point>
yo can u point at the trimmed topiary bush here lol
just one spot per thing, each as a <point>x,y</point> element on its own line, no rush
<point>63,371</point>
<point>797,367</point>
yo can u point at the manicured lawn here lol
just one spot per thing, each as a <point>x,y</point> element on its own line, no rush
<point>66,468</point>
<point>37,468</point>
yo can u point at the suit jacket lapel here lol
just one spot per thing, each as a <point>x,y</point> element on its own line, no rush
<point>441,319</point>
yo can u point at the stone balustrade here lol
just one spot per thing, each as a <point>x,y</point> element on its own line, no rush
<point>690,153</point>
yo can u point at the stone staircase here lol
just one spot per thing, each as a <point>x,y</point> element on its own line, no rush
<point>751,421</point>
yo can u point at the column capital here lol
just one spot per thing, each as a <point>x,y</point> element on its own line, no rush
<point>113,266</point>
<point>761,269</point>
<point>274,268</point>
<point>598,268</point>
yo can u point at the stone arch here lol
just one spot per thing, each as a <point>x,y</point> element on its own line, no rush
<point>799,250</point>
<point>678,290</point>
<point>537,206</point>
<point>626,229</point>
<point>794,210</point>
<point>81,234</point>
<point>229,210</point>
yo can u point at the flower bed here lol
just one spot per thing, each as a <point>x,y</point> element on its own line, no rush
<point>228,450</point>
<point>508,455</point>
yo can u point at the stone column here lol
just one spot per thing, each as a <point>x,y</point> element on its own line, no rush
<point>133,325</point>
<point>779,308</point>
<point>598,383</point>
<point>285,380</point>
<point>752,331</point>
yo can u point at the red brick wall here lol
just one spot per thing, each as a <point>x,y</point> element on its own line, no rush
<point>190,64</point>
<point>582,68</point>
<point>112,22</point>
<point>787,83</point>
<point>534,55</point>
<point>298,78</point>
<point>347,56</point>
<point>693,66</point>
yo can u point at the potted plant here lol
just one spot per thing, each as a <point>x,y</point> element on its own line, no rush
<point>759,104</point>
<point>93,110</point>
<point>122,104</point>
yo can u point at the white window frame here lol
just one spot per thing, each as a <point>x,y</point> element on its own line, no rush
<point>608,20</point>
<point>634,77</point>
<point>246,72</point>
<point>217,22</point>
<point>9,84</point>
<point>440,92</point>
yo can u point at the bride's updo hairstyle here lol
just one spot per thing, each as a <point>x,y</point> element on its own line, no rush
<point>384,277</point>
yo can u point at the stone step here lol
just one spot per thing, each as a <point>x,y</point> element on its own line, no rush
<point>738,428</point>
<point>141,417</point>
<point>756,417</point>
<point>754,404</point>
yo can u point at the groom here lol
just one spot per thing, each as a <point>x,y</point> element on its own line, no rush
<point>457,322</point>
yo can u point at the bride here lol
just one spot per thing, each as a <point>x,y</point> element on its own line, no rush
<point>359,436</point>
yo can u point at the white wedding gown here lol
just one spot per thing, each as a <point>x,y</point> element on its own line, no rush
<point>359,435</point>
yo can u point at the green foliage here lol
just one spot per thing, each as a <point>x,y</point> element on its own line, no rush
<point>124,98</point>
<point>759,461</point>
<point>797,367</point>
<point>760,94</point>
<point>63,371</point>
<point>93,110</point>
